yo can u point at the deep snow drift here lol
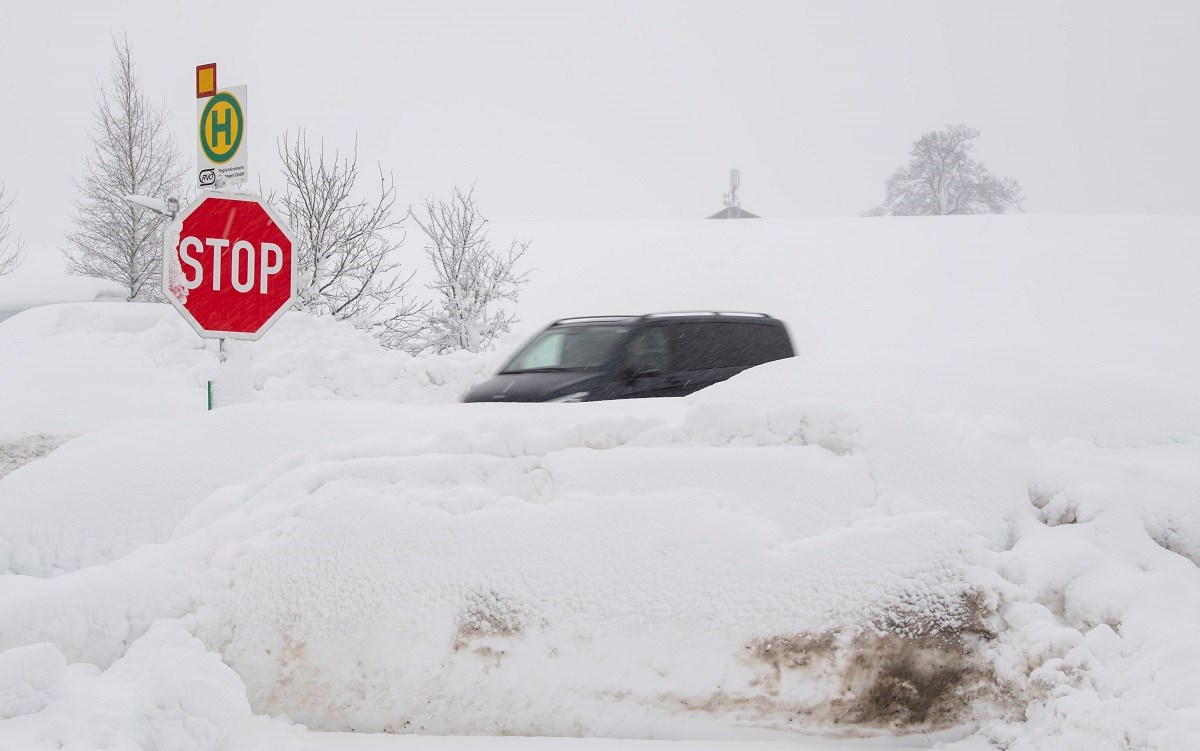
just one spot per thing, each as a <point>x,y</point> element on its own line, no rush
<point>73,368</point>
<point>996,542</point>
<point>22,291</point>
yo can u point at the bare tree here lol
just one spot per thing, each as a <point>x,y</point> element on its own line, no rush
<point>471,276</point>
<point>12,250</point>
<point>133,152</point>
<point>347,254</point>
<point>941,177</point>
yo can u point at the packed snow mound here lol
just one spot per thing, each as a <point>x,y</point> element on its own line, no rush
<point>404,569</point>
<point>81,505</point>
<point>633,569</point>
<point>30,678</point>
<point>21,291</point>
<point>72,368</point>
<point>167,691</point>
<point>1050,398</point>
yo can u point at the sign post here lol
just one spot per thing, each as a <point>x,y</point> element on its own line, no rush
<point>229,262</point>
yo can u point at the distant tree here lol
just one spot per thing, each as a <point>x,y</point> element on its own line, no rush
<point>347,246</point>
<point>471,276</point>
<point>133,152</point>
<point>941,177</point>
<point>12,250</point>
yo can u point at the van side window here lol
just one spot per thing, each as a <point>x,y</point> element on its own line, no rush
<point>722,344</point>
<point>648,352</point>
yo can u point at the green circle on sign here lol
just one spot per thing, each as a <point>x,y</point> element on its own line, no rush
<point>234,125</point>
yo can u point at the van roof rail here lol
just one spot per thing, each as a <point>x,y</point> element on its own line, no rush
<point>663,314</point>
<point>668,313</point>
<point>593,318</point>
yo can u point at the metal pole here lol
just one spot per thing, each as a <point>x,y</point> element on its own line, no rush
<point>220,359</point>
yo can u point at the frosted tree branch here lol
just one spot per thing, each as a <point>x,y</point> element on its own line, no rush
<point>470,276</point>
<point>12,250</point>
<point>346,245</point>
<point>132,152</point>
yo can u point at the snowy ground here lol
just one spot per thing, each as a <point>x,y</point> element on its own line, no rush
<point>893,540</point>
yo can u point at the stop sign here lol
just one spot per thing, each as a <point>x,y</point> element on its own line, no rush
<point>229,266</point>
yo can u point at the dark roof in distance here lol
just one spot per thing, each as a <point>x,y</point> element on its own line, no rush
<point>734,213</point>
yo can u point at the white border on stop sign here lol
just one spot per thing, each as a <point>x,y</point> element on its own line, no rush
<point>171,238</point>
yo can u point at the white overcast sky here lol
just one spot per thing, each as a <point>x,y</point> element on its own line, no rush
<point>593,110</point>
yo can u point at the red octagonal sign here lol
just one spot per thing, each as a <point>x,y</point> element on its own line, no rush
<point>229,266</point>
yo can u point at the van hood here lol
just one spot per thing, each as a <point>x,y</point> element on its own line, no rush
<point>532,387</point>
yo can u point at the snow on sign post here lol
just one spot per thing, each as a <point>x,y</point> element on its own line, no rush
<point>229,266</point>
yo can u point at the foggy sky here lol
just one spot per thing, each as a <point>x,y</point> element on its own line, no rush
<point>595,110</point>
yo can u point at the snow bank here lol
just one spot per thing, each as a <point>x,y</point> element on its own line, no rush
<point>22,291</point>
<point>404,569</point>
<point>82,505</point>
<point>166,692</point>
<point>30,678</point>
<point>641,569</point>
<point>1051,398</point>
<point>72,368</point>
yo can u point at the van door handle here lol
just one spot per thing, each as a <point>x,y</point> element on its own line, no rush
<point>673,381</point>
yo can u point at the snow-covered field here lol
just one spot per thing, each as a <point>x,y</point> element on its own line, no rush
<point>968,514</point>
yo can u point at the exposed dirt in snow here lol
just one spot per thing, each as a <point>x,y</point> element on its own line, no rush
<point>18,450</point>
<point>908,684</point>
<point>925,679</point>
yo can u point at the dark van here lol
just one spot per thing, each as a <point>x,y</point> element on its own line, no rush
<point>625,357</point>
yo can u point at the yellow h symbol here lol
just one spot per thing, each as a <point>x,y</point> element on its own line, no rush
<point>221,126</point>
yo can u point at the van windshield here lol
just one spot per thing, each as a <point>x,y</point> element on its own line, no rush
<point>568,348</point>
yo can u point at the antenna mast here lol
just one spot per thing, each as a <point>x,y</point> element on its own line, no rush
<point>731,198</point>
